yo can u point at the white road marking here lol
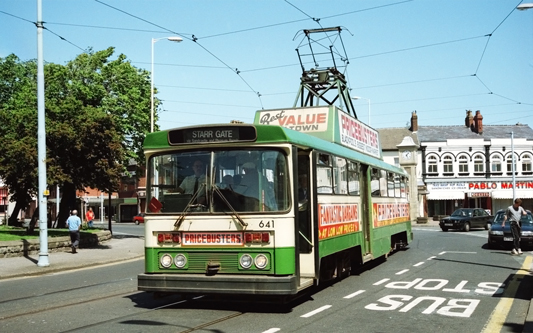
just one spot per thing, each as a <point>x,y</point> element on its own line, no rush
<point>401,272</point>
<point>432,257</point>
<point>460,252</point>
<point>381,282</point>
<point>419,264</point>
<point>442,253</point>
<point>272,330</point>
<point>314,312</point>
<point>354,294</point>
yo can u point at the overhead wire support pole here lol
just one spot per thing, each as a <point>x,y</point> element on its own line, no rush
<point>41,145</point>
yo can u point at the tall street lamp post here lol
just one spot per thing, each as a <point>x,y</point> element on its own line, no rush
<point>368,100</point>
<point>522,6</point>
<point>154,40</point>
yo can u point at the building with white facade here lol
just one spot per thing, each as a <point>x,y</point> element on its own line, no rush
<point>469,165</point>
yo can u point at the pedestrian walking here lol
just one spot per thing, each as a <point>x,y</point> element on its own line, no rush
<point>74,226</point>
<point>89,216</point>
<point>514,214</point>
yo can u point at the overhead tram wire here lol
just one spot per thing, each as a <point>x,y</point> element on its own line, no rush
<point>45,28</point>
<point>193,39</point>
<point>281,66</point>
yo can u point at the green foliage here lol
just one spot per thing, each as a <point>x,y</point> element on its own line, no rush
<point>97,114</point>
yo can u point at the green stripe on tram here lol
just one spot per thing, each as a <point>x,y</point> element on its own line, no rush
<point>281,260</point>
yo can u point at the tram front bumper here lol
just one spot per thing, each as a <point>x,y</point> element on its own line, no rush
<point>218,284</point>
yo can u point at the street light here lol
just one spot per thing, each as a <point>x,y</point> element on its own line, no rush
<point>154,40</point>
<point>524,6</point>
<point>368,100</point>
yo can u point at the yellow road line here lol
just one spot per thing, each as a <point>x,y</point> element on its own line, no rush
<point>498,316</point>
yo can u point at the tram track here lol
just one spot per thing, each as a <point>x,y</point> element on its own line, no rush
<point>29,312</point>
<point>193,302</point>
<point>64,291</point>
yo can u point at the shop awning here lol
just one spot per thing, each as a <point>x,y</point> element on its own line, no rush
<point>445,195</point>
<point>508,194</point>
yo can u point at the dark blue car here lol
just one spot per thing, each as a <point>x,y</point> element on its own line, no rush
<point>466,219</point>
<point>501,237</point>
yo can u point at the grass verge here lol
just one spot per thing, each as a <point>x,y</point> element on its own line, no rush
<point>8,233</point>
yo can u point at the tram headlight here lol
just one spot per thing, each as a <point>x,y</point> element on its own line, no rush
<point>261,261</point>
<point>166,260</point>
<point>246,261</point>
<point>180,261</point>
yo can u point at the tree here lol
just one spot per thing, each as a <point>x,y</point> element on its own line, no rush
<point>97,114</point>
<point>18,148</point>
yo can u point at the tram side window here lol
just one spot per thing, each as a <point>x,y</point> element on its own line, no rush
<point>340,173</point>
<point>353,178</point>
<point>324,174</point>
<point>403,185</point>
<point>390,184</point>
<point>374,183</point>
<point>397,186</point>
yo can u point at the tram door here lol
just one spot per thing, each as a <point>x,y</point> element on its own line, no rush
<point>304,197</point>
<point>366,215</point>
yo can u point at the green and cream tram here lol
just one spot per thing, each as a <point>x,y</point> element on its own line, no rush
<point>273,210</point>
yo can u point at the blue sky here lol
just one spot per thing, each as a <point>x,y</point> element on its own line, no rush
<point>438,57</point>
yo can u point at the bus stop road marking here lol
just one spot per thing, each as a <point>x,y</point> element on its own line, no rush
<point>498,316</point>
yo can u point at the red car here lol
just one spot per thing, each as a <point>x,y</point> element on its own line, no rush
<point>139,218</point>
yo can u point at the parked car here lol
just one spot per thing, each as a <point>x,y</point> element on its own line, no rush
<point>500,237</point>
<point>139,218</point>
<point>467,218</point>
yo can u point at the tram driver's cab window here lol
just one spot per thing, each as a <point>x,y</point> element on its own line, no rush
<point>219,181</point>
<point>324,174</point>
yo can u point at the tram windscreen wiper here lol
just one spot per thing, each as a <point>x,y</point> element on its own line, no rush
<point>225,201</point>
<point>190,205</point>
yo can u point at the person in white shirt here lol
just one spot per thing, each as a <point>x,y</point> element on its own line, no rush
<point>514,214</point>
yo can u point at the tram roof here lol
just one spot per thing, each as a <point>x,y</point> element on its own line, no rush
<point>275,134</point>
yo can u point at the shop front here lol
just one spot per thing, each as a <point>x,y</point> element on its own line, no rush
<point>444,197</point>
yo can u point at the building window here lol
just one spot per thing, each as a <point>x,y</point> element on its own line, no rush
<point>397,161</point>
<point>479,164</point>
<point>526,163</point>
<point>463,164</point>
<point>509,161</point>
<point>432,164</point>
<point>447,162</point>
<point>496,163</point>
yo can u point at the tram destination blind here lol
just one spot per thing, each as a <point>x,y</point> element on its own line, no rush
<point>212,134</point>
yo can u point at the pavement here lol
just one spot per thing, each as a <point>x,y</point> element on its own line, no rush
<point>123,248</point>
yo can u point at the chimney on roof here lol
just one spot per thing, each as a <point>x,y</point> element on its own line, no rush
<point>469,120</point>
<point>414,122</point>
<point>478,122</point>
